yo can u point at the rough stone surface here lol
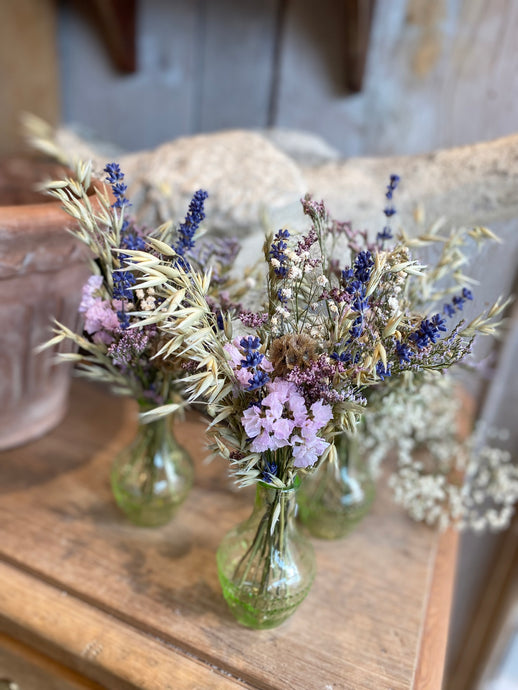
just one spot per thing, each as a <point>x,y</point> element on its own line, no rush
<point>305,148</point>
<point>469,185</point>
<point>246,176</point>
<point>252,180</point>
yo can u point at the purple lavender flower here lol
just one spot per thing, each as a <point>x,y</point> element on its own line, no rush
<point>449,310</point>
<point>359,303</point>
<point>389,210</point>
<point>124,319</point>
<point>277,256</point>
<point>252,359</point>
<point>403,352</point>
<point>439,323</point>
<point>250,343</point>
<point>122,283</point>
<point>115,177</point>
<point>269,471</point>
<point>428,331</point>
<point>188,228</point>
<point>130,239</point>
<point>383,372</point>
<point>357,290</point>
<point>458,302</point>
<point>345,357</point>
<point>347,274</point>
<point>249,365</point>
<point>363,266</point>
<point>386,234</point>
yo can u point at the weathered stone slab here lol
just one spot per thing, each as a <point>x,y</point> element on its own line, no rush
<point>245,175</point>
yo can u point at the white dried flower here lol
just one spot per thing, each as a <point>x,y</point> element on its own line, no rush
<point>294,273</point>
<point>292,256</point>
<point>281,311</point>
<point>407,420</point>
<point>394,306</point>
<point>148,304</point>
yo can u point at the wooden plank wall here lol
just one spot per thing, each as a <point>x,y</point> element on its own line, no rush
<point>438,74</point>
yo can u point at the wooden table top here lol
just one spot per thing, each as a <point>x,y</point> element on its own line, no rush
<point>135,607</point>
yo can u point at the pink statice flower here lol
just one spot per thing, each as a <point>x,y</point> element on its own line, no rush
<point>100,321</point>
<point>92,285</point>
<point>282,419</point>
<point>306,451</point>
<point>233,353</point>
<point>100,317</point>
<point>320,416</point>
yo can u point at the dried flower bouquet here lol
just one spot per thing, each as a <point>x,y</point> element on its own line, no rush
<point>445,490</point>
<point>284,382</point>
<point>118,345</point>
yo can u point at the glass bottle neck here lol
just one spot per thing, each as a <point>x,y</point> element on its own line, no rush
<point>347,451</point>
<point>268,497</point>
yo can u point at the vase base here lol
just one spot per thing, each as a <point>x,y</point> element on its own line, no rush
<point>259,613</point>
<point>152,514</point>
<point>334,524</point>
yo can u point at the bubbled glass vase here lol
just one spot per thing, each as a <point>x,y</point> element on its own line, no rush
<point>151,478</point>
<point>266,566</point>
<point>336,497</point>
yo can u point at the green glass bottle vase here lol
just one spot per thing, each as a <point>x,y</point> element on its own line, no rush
<point>266,566</point>
<point>151,478</point>
<point>336,497</point>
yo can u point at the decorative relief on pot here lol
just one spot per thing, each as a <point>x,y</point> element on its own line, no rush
<point>42,271</point>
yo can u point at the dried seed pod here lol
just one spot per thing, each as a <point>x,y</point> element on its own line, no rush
<point>292,350</point>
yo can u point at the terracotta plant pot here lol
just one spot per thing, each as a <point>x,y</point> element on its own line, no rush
<point>42,270</point>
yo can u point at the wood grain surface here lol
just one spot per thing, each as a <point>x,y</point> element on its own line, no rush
<point>29,69</point>
<point>134,607</point>
<point>29,670</point>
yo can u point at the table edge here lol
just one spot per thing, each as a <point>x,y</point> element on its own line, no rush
<point>434,637</point>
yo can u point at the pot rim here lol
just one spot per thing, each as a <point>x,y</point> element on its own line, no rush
<point>36,219</point>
